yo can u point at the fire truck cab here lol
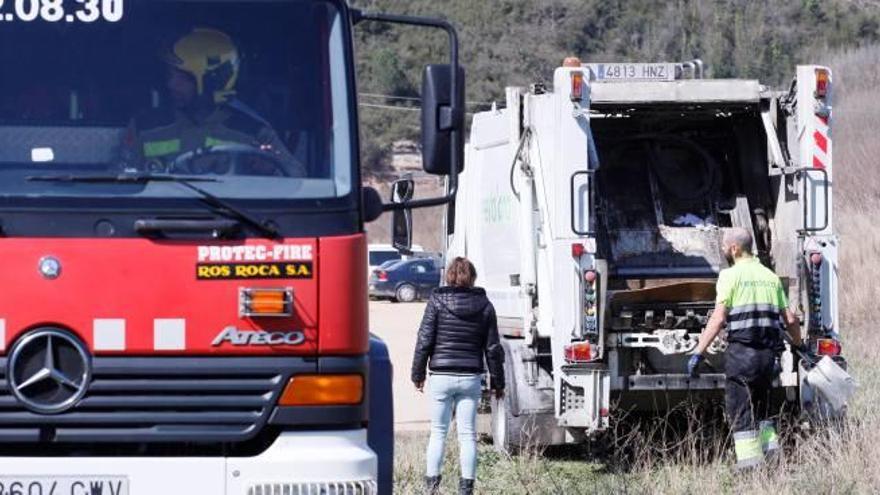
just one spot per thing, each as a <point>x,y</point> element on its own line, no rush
<point>183,247</point>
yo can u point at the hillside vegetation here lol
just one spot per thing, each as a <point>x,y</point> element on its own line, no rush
<point>518,42</point>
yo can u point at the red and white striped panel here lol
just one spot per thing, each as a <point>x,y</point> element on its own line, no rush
<point>821,143</point>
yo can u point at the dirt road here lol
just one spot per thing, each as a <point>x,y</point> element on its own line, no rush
<point>397,324</point>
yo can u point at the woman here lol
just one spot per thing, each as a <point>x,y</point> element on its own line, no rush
<point>458,329</point>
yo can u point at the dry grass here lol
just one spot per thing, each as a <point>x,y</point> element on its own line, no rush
<point>844,460</point>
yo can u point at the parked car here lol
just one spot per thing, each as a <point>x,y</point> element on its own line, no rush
<point>380,253</point>
<point>405,280</point>
<point>383,266</point>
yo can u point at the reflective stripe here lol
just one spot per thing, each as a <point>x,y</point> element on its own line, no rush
<point>750,308</point>
<point>755,324</point>
<point>210,142</point>
<point>769,438</point>
<point>153,149</point>
<point>756,315</point>
<point>771,323</point>
<point>747,447</point>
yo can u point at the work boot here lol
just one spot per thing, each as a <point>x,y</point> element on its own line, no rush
<point>465,487</point>
<point>769,440</point>
<point>432,485</point>
<point>747,446</point>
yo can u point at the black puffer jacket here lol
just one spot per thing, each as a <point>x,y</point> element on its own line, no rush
<point>458,330</point>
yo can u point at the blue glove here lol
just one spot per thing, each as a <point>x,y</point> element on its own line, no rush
<point>693,364</point>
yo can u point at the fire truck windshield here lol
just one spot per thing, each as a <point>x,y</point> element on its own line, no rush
<point>254,95</point>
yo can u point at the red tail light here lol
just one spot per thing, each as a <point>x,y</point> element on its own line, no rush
<point>580,352</point>
<point>828,347</point>
<point>577,250</point>
<point>381,275</point>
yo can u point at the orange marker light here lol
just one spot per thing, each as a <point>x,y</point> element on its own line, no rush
<point>577,86</point>
<point>822,80</point>
<point>323,390</point>
<point>265,302</point>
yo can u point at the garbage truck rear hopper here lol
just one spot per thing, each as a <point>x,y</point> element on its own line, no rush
<point>598,209</point>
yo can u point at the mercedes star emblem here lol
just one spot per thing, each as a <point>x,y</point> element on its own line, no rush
<point>50,267</point>
<point>49,370</point>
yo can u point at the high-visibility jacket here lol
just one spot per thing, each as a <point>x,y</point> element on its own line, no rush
<point>164,134</point>
<point>755,299</point>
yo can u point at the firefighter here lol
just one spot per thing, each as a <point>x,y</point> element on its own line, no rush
<point>750,299</point>
<point>202,71</point>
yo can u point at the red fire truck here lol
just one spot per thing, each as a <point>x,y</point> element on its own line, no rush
<point>182,245</point>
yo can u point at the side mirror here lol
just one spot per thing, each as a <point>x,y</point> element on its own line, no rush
<point>401,220</point>
<point>440,118</point>
<point>372,204</point>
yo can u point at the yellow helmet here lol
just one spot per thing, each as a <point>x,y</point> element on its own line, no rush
<point>211,57</point>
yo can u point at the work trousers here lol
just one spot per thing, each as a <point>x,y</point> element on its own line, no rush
<point>750,373</point>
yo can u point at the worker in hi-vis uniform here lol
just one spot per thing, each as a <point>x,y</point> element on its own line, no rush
<point>750,299</point>
<point>202,71</point>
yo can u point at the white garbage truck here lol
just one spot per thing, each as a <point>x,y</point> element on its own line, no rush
<point>594,210</point>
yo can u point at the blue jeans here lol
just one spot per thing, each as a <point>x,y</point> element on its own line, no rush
<point>460,393</point>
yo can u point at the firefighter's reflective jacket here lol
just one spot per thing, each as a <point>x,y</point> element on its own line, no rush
<point>164,134</point>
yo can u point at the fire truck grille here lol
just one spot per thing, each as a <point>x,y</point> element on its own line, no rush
<point>162,400</point>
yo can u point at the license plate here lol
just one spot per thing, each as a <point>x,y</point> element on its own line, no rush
<point>63,485</point>
<point>633,72</point>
